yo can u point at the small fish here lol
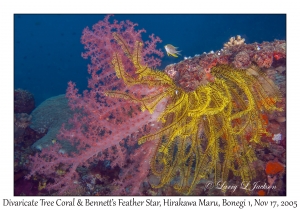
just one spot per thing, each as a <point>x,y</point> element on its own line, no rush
<point>171,50</point>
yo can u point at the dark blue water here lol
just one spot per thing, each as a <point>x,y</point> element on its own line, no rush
<point>47,48</point>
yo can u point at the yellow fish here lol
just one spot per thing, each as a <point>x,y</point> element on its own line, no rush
<point>171,50</point>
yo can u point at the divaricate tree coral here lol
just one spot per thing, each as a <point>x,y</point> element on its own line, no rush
<point>103,128</point>
<point>200,119</point>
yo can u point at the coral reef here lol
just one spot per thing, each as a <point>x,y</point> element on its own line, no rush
<point>242,60</point>
<point>21,122</point>
<point>24,137</point>
<point>23,101</point>
<point>214,117</point>
<point>48,118</point>
<point>192,72</point>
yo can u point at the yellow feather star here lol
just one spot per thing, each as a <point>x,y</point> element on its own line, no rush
<point>200,135</point>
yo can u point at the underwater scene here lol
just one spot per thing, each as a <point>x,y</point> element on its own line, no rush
<point>154,105</point>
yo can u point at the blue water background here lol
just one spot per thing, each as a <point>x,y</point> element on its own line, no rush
<point>47,48</point>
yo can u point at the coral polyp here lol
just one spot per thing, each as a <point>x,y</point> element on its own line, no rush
<point>207,132</point>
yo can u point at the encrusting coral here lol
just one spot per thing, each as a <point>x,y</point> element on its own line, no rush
<point>192,72</point>
<point>211,129</point>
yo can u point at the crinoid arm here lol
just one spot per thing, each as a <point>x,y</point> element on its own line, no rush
<point>207,133</point>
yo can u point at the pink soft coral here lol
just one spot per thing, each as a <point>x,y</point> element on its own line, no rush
<point>103,128</point>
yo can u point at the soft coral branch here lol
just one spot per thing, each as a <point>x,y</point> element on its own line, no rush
<point>132,176</point>
<point>100,125</point>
